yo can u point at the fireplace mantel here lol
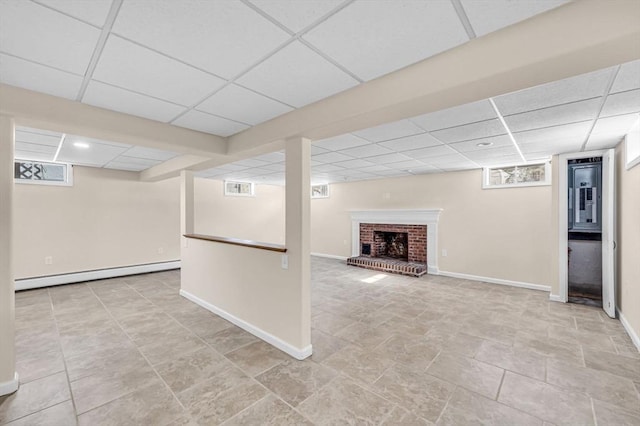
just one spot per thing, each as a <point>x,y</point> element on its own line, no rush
<point>428,217</point>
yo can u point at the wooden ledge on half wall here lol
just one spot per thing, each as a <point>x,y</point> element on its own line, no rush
<point>238,242</point>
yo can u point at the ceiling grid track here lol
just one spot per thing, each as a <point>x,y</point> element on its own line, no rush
<point>62,138</point>
<point>464,19</point>
<point>102,40</point>
<point>607,92</point>
<point>293,37</point>
<point>506,127</point>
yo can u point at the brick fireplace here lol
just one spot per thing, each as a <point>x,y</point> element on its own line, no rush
<point>404,242</point>
<point>400,241</point>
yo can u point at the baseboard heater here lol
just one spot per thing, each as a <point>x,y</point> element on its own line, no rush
<point>97,274</point>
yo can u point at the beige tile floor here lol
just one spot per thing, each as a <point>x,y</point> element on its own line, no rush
<point>388,349</point>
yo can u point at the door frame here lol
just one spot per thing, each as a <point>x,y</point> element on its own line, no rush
<point>608,225</point>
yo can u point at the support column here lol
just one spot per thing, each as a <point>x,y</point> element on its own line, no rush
<point>187,213</point>
<point>8,376</point>
<point>297,227</point>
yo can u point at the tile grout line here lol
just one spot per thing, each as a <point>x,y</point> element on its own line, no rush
<point>593,411</point>
<point>504,374</point>
<point>64,358</point>
<point>139,351</point>
<point>446,404</point>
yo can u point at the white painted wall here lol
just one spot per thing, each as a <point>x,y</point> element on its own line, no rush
<point>106,219</point>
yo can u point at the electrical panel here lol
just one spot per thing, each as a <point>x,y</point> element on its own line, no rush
<point>585,195</point>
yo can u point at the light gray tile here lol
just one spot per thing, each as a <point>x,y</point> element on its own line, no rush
<point>34,396</point>
<point>466,372</point>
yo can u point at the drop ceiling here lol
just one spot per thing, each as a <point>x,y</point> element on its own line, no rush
<point>222,67</point>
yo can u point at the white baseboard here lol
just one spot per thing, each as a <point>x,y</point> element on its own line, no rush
<point>500,281</point>
<point>556,298</point>
<point>11,386</point>
<point>630,331</point>
<point>329,256</point>
<point>76,277</point>
<point>256,331</point>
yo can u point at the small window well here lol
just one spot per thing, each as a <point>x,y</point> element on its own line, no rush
<point>320,191</point>
<point>42,173</point>
<point>520,175</point>
<point>238,189</point>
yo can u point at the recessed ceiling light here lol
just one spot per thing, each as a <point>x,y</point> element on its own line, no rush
<point>484,144</point>
<point>82,145</point>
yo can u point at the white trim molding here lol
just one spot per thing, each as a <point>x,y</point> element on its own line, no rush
<point>256,331</point>
<point>499,281</point>
<point>98,274</point>
<point>556,298</point>
<point>11,386</point>
<point>630,331</point>
<point>429,217</point>
<point>329,256</point>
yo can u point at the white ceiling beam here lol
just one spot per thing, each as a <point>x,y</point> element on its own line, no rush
<point>548,47</point>
<point>33,109</point>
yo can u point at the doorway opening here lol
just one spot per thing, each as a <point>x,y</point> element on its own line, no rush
<point>586,229</point>
<point>584,217</point>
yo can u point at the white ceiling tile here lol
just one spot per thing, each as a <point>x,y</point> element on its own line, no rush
<point>552,147</point>
<point>38,131</point>
<point>251,162</point>
<point>42,35</point>
<point>609,131</point>
<point>561,114</point>
<point>367,151</point>
<point>35,137</point>
<point>121,100</point>
<point>145,163</point>
<point>423,169</point>
<point>136,68</point>
<point>402,33</point>
<point>28,75</point>
<point>97,154</point>
<point>331,157</point>
<point>495,141</point>
<point>355,164</point>
<point>94,12</point>
<point>35,148</point>
<point>150,153</point>
<point>384,132</point>
<point>403,165</point>
<point>297,76</point>
<point>586,86</point>
<point>491,153</point>
<point>433,151</point>
<point>576,132</point>
<point>316,150</point>
<point>482,129</point>
<point>231,167</point>
<point>223,37</point>
<point>491,15</point>
<point>423,140</point>
<point>127,167</point>
<point>272,157</point>
<point>240,104</point>
<point>456,116</point>
<point>91,141</point>
<point>386,159</point>
<point>628,77</point>
<point>621,103</point>
<point>33,156</point>
<point>447,160</point>
<point>340,142</point>
<point>326,168</point>
<point>208,123</point>
<point>499,160</point>
<point>374,169</point>
<point>275,167</point>
<point>296,15</point>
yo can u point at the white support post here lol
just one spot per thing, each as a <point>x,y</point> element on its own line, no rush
<point>8,376</point>
<point>297,199</point>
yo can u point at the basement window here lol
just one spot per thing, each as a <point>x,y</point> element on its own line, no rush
<point>42,173</point>
<point>320,191</point>
<point>538,174</point>
<point>238,189</point>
